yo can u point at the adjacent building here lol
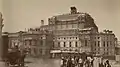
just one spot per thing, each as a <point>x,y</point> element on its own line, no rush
<point>39,43</point>
<point>117,50</point>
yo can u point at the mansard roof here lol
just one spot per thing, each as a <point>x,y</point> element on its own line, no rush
<point>70,17</point>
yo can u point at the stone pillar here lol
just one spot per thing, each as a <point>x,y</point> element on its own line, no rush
<point>1,47</point>
<point>0,36</point>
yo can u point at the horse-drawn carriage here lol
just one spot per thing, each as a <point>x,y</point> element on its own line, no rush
<point>15,58</point>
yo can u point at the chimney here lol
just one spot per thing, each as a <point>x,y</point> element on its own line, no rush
<point>42,22</point>
<point>73,10</point>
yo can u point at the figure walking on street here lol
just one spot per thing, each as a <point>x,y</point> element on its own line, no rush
<point>107,64</point>
<point>101,64</point>
<point>80,63</point>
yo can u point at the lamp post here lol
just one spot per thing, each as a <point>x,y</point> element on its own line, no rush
<point>1,45</point>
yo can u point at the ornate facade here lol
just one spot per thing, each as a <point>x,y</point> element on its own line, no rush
<point>38,44</point>
<point>74,32</point>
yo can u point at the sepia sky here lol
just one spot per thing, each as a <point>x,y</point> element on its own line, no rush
<point>21,14</point>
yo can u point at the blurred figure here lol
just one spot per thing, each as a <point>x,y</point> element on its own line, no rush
<point>69,63</point>
<point>107,64</point>
<point>80,62</point>
<point>91,62</point>
<point>101,64</point>
<point>76,61</point>
<point>61,62</point>
<point>73,62</point>
<point>87,63</point>
<point>95,62</point>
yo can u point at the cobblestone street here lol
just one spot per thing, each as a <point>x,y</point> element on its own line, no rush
<point>53,63</point>
<point>43,62</point>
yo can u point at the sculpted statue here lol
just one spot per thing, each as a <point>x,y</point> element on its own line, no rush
<point>1,20</point>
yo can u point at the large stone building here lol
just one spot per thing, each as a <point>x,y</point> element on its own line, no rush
<point>71,33</point>
<point>76,32</point>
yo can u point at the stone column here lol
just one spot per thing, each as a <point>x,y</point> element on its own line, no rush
<point>0,36</point>
<point>1,47</point>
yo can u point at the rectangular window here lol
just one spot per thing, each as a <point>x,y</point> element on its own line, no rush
<point>66,25</point>
<point>69,25</point>
<point>110,42</point>
<point>41,43</point>
<point>58,44</point>
<point>85,42</point>
<point>53,44</point>
<point>74,25</point>
<point>40,50</point>
<point>43,52</point>
<point>107,49</point>
<point>95,43</point>
<point>35,42</point>
<point>70,44</point>
<point>98,43</point>
<point>103,43</point>
<point>98,52</point>
<point>76,44</point>
<point>58,26</point>
<point>35,51</point>
<point>30,42</point>
<point>107,53</point>
<point>63,26</point>
<point>64,44</point>
<point>107,43</point>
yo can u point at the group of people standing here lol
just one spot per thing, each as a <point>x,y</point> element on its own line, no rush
<point>76,62</point>
<point>104,64</point>
<point>82,62</point>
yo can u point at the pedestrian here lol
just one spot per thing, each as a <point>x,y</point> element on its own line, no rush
<point>73,62</point>
<point>69,63</point>
<point>107,64</point>
<point>91,62</point>
<point>101,64</point>
<point>61,62</point>
<point>80,62</point>
<point>87,63</point>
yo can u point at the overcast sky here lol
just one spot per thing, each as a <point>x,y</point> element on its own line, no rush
<point>21,14</point>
